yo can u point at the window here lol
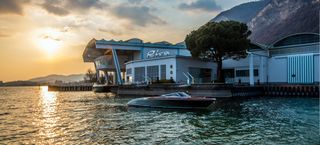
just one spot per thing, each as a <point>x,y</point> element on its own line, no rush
<point>294,50</point>
<point>201,75</point>
<point>255,72</point>
<point>245,73</point>
<point>298,39</point>
<point>139,74</point>
<point>153,72</point>
<point>129,71</point>
<point>228,73</point>
<point>163,71</point>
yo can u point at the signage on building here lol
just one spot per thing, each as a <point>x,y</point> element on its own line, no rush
<point>157,53</point>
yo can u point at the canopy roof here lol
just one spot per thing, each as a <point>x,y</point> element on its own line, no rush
<point>96,48</point>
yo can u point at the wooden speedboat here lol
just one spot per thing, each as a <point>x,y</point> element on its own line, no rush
<point>177,100</point>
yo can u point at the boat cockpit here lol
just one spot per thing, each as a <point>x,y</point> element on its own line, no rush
<point>176,95</point>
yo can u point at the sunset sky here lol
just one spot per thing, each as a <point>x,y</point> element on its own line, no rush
<point>42,37</point>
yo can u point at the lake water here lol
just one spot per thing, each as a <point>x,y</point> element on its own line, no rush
<point>34,115</point>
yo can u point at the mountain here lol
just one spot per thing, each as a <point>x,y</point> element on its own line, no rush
<point>54,77</point>
<point>270,20</point>
<point>20,83</point>
<point>243,12</point>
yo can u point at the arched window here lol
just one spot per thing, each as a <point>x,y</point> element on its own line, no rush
<point>297,39</point>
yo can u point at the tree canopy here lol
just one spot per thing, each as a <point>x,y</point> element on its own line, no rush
<point>90,76</point>
<point>219,40</point>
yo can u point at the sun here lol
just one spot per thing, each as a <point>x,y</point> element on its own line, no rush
<point>48,40</point>
<point>49,45</point>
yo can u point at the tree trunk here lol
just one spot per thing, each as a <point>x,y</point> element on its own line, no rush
<point>219,72</point>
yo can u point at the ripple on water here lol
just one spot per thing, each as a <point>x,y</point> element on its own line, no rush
<point>32,115</point>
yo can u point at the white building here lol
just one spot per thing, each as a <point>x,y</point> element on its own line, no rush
<point>291,60</point>
<point>134,61</point>
<point>181,69</point>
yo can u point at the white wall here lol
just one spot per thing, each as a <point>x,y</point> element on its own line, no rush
<point>231,63</point>
<point>183,65</point>
<point>179,65</point>
<point>316,68</point>
<point>243,64</point>
<point>277,70</point>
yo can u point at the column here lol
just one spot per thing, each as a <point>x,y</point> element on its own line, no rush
<point>106,77</point>
<point>251,69</point>
<point>261,70</point>
<point>98,75</point>
<point>117,65</point>
<point>146,79</point>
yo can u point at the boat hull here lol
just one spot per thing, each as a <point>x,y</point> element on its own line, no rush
<point>172,103</point>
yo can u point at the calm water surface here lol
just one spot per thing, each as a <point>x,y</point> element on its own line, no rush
<point>34,115</point>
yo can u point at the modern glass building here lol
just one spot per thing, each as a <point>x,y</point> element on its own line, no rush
<point>293,59</point>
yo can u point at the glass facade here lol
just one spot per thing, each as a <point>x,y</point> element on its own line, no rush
<point>228,73</point>
<point>163,72</point>
<point>139,73</point>
<point>153,72</point>
<point>129,71</point>
<point>245,73</point>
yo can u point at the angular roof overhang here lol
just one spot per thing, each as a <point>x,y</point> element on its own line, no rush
<point>91,52</point>
<point>96,48</point>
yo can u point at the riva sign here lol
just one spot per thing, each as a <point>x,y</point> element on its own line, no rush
<point>157,53</point>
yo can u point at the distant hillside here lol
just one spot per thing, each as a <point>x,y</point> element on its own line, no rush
<point>54,77</point>
<point>270,20</point>
<point>281,18</point>
<point>243,12</point>
<point>20,83</point>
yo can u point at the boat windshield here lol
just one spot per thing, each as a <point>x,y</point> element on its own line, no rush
<point>177,94</point>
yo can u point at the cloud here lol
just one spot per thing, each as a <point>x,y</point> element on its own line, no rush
<point>63,8</point>
<point>65,29</point>
<point>113,32</point>
<point>6,32</point>
<point>135,1</point>
<point>54,8</point>
<point>84,4</point>
<point>138,15</point>
<point>50,37</point>
<point>12,6</point>
<point>4,35</point>
<point>204,5</point>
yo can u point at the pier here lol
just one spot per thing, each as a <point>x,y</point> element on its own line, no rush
<point>223,90</point>
<point>292,90</point>
<point>207,90</point>
<point>71,87</point>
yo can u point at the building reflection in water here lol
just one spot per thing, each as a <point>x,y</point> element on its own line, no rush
<point>49,115</point>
